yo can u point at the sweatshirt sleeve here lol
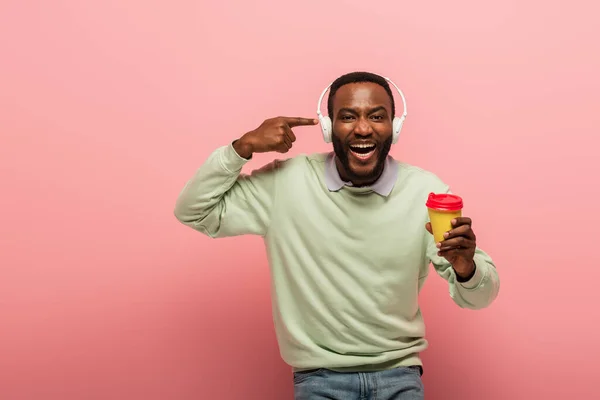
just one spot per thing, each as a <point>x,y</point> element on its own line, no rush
<point>220,201</point>
<point>479,291</point>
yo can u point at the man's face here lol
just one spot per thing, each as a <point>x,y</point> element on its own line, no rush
<point>362,131</point>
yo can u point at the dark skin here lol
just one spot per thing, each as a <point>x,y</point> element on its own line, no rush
<point>362,114</point>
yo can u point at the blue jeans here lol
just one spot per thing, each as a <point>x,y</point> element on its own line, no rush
<point>402,383</point>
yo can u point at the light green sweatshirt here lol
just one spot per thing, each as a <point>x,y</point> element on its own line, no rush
<point>346,266</point>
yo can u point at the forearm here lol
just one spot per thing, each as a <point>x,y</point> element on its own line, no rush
<point>202,194</point>
<point>219,201</point>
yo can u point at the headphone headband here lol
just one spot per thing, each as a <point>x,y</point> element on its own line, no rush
<point>387,79</point>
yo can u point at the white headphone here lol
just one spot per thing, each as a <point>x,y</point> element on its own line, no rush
<point>326,125</point>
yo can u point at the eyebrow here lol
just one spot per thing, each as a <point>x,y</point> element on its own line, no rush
<point>371,111</point>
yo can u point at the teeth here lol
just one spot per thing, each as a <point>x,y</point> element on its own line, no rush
<point>363,146</point>
<point>364,155</point>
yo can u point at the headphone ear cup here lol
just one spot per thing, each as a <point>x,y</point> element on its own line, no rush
<point>325,123</point>
<point>397,127</point>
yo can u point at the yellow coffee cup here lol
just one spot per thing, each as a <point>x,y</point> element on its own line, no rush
<point>443,208</point>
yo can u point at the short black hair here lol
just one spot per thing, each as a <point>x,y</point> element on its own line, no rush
<point>358,77</point>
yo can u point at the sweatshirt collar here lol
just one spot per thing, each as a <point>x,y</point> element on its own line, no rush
<point>383,186</point>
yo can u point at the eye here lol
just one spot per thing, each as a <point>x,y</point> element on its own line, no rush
<point>347,117</point>
<point>377,117</point>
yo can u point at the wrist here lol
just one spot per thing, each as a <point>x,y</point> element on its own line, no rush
<point>462,278</point>
<point>243,147</point>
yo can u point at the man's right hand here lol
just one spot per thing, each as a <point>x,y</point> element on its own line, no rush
<point>274,134</point>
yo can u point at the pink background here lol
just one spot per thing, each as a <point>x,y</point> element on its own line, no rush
<point>107,109</point>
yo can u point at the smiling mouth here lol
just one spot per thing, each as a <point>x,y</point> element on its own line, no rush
<point>362,151</point>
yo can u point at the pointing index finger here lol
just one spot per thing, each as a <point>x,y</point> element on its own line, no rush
<point>297,121</point>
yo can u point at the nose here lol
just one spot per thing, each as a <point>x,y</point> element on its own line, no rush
<point>363,128</point>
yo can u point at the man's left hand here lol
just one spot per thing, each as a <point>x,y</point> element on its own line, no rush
<point>459,246</point>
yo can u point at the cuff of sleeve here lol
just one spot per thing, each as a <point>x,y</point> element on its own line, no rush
<point>231,160</point>
<point>476,279</point>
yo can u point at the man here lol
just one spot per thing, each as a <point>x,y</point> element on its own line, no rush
<point>348,242</point>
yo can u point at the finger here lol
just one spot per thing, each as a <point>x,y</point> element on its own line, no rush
<point>449,250</point>
<point>283,144</point>
<point>456,243</point>
<point>290,134</point>
<point>428,227</point>
<point>287,142</point>
<point>297,121</point>
<point>463,230</point>
<point>450,253</point>
<point>459,221</point>
<point>283,148</point>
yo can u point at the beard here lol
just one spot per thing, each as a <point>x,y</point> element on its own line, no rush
<point>364,176</point>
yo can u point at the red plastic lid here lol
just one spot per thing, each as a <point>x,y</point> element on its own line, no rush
<point>446,202</point>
